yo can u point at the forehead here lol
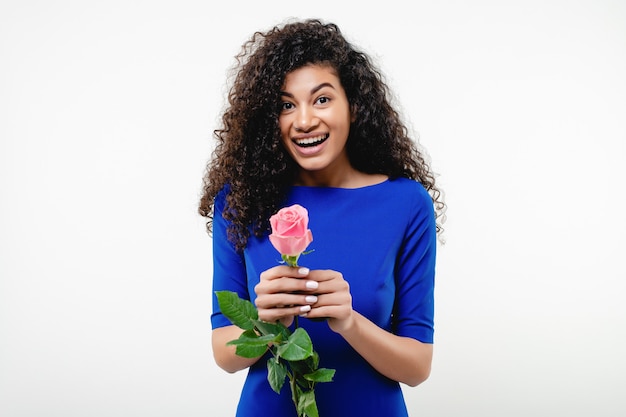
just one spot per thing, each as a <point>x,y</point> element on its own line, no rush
<point>311,76</point>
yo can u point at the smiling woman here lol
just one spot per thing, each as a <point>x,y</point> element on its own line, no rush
<point>314,125</point>
<point>309,124</point>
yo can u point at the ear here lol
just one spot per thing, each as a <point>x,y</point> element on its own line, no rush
<point>353,111</point>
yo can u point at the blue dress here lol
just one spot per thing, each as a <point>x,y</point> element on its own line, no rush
<point>382,238</point>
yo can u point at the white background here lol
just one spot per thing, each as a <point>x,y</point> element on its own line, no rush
<point>106,114</point>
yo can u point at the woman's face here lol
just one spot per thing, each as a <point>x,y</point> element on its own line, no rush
<point>314,123</point>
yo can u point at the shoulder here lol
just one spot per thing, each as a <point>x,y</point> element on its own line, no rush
<point>412,202</point>
<point>220,197</point>
<point>220,205</point>
<point>408,189</point>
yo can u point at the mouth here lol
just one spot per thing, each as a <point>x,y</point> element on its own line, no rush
<point>312,141</point>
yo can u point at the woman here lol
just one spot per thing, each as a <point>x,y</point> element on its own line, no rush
<point>310,122</point>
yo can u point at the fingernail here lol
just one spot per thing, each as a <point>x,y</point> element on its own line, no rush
<point>311,285</point>
<point>303,271</point>
<point>306,308</point>
<point>310,298</point>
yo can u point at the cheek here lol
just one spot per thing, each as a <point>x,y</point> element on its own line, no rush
<point>342,120</point>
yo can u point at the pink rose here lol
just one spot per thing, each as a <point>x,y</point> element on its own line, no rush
<point>290,234</point>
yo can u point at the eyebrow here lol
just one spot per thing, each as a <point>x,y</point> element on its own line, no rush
<point>313,90</point>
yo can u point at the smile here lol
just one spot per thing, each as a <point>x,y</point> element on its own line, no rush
<point>309,142</point>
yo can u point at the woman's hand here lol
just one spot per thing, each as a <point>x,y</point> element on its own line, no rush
<point>284,292</point>
<point>400,358</point>
<point>334,301</point>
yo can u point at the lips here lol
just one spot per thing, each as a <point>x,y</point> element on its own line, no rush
<point>311,141</point>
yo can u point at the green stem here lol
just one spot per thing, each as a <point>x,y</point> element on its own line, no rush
<point>294,392</point>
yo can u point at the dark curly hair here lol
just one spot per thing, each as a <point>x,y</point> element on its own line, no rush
<point>249,157</point>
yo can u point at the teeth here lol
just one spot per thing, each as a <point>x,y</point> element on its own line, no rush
<point>311,141</point>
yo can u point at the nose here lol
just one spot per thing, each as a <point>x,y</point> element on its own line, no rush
<point>305,119</point>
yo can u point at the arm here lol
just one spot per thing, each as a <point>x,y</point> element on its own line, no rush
<point>276,301</point>
<point>224,355</point>
<point>229,273</point>
<point>405,354</point>
<point>400,358</point>
<point>282,294</point>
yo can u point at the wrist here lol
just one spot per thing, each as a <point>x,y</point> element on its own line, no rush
<point>346,327</point>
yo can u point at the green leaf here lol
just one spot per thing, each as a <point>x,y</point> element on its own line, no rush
<point>250,344</point>
<point>305,366</point>
<point>240,312</point>
<point>276,374</point>
<point>298,346</point>
<point>272,328</point>
<point>249,351</point>
<point>250,338</point>
<point>303,383</point>
<point>295,394</point>
<point>321,375</point>
<point>314,360</point>
<point>306,404</point>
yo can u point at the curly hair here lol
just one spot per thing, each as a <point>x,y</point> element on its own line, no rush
<point>249,157</point>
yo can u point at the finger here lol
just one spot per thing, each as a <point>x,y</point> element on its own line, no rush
<point>321,275</point>
<point>332,312</point>
<point>334,299</point>
<point>285,285</point>
<point>274,314</point>
<point>283,271</point>
<point>332,286</point>
<point>280,300</point>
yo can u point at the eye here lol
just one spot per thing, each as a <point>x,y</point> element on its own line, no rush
<point>285,106</point>
<point>323,100</point>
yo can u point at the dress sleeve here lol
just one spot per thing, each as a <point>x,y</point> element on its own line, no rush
<point>229,270</point>
<point>415,279</point>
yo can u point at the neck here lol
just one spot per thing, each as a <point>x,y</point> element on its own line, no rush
<point>349,178</point>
